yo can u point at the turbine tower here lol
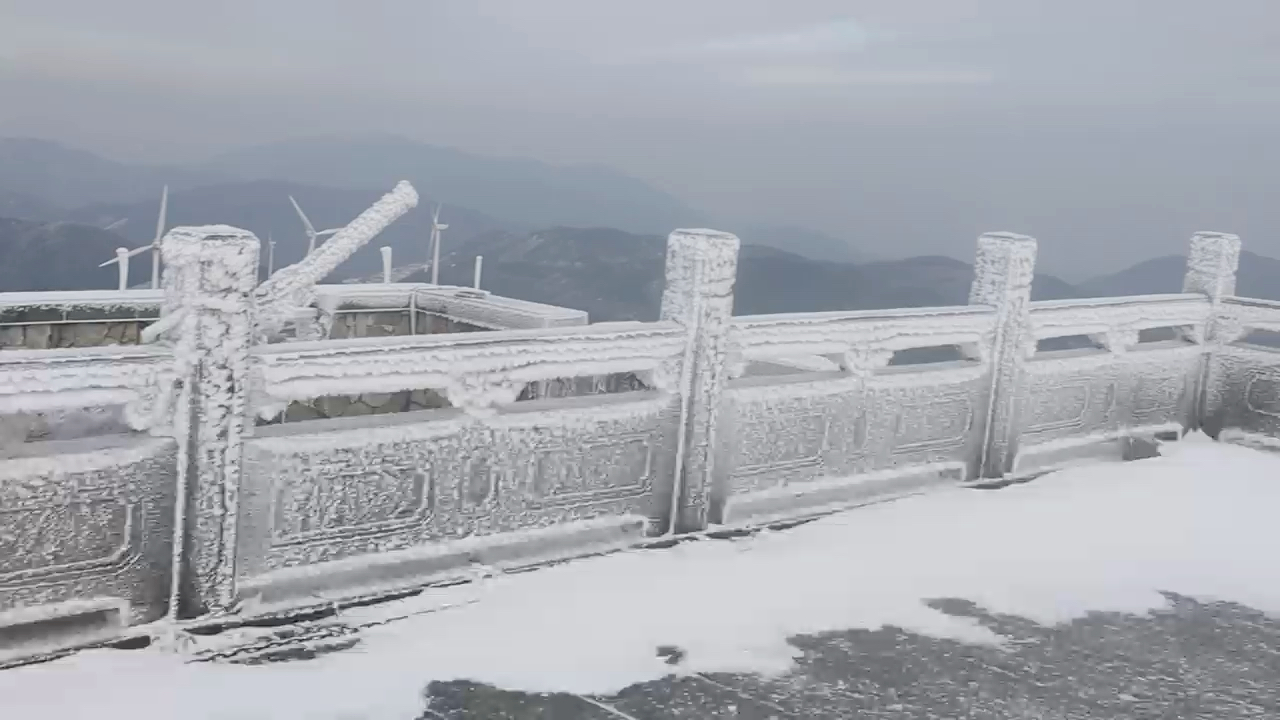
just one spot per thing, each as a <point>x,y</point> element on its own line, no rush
<point>154,246</point>
<point>436,227</point>
<point>312,235</point>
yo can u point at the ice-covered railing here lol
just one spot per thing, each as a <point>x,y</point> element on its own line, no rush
<point>856,333</point>
<point>1118,323</point>
<point>475,371</point>
<point>322,510</point>
<point>1242,387</point>
<point>41,380</point>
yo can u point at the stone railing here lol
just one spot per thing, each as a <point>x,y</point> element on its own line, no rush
<point>437,452</point>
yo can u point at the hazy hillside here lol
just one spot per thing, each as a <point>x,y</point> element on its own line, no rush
<point>57,256</point>
<point>615,275</point>
<point>1259,277</point>
<point>57,176</point>
<point>263,207</point>
<point>806,242</point>
<point>522,190</point>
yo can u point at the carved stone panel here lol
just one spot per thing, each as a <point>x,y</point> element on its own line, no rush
<point>780,440</point>
<point>1244,392</point>
<point>316,496</point>
<point>1162,393</point>
<point>1071,403</point>
<point>88,518</point>
<point>911,425</point>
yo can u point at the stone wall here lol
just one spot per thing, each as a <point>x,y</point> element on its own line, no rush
<point>72,334</point>
<point>73,324</point>
<point>385,323</point>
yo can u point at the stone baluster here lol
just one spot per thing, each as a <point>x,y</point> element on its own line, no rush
<point>210,276</point>
<point>1212,262</point>
<point>1002,275</point>
<point>701,268</point>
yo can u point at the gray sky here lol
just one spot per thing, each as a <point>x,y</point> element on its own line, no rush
<point>1109,128</point>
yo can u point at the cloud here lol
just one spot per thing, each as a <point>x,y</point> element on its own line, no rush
<point>823,76</point>
<point>837,37</point>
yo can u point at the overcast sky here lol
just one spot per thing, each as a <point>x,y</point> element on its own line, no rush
<point>1072,119</point>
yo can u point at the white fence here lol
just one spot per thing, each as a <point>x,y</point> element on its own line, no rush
<point>205,513</point>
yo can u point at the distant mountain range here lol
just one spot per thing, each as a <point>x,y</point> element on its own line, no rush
<point>603,252</point>
<point>1259,277</point>
<point>615,275</point>
<point>527,191</point>
<point>43,180</point>
<point>612,274</point>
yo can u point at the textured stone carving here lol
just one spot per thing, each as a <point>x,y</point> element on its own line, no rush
<point>345,491</point>
<point>93,519</point>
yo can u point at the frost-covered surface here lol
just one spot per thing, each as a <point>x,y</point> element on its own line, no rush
<point>1122,317</point>
<point>1198,522</point>
<point>71,299</point>
<point>211,279</point>
<point>476,370</point>
<point>41,380</point>
<point>1212,263</point>
<point>495,311</point>
<point>86,518</point>
<point>294,287</point>
<point>701,269</point>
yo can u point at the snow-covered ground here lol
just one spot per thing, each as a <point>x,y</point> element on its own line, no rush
<point>1199,521</point>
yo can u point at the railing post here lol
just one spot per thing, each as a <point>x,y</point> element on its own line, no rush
<point>1002,274</point>
<point>702,266</point>
<point>1212,262</point>
<point>210,277</point>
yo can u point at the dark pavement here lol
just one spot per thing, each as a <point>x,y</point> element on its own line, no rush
<point>1203,661</point>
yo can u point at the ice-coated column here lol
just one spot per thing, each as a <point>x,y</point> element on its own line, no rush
<point>210,277</point>
<point>702,266</point>
<point>1002,274</point>
<point>1212,262</point>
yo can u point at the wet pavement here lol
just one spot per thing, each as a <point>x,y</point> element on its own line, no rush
<point>1193,660</point>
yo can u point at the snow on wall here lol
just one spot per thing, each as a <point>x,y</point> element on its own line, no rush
<point>39,380</point>
<point>807,436</point>
<point>323,491</point>
<point>89,518</point>
<point>494,311</point>
<point>1243,385</point>
<point>1117,322</point>
<point>476,370</point>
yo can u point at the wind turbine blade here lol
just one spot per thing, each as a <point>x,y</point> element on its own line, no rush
<point>306,223</point>
<point>333,231</point>
<point>435,215</point>
<point>112,261</point>
<point>164,213</point>
<point>117,224</point>
<point>139,250</point>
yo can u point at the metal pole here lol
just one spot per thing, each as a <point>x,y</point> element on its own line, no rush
<point>435,254</point>
<point>122,260</point>
<point>155,267</point>
<point>386,263</point>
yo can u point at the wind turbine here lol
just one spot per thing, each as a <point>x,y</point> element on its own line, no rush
<point>436,227</point>
<point>311,229</point>
<point>154,247</point>
<point>116,225</point>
